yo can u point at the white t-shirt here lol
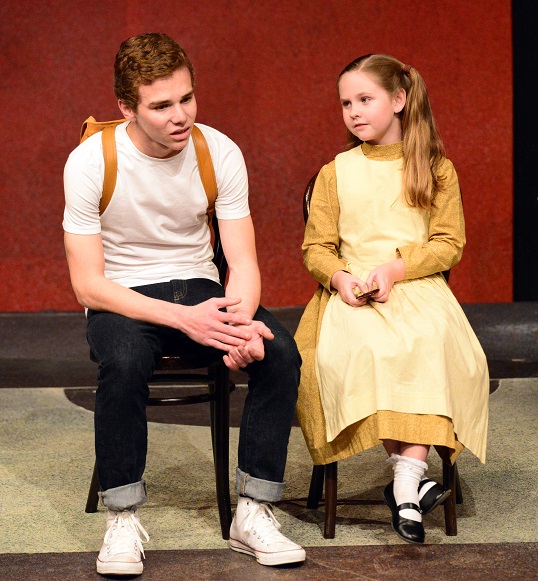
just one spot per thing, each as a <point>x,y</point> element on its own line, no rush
<point>155,226</point>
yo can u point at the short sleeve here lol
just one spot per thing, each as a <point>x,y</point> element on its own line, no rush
<point>83,183</point>
<point>232,182</point>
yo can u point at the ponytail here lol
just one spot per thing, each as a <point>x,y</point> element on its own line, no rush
<point>422,146</point>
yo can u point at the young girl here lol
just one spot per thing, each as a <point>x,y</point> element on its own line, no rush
<point>401,366</point>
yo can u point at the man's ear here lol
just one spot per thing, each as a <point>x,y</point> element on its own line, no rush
<point>126,111</point>
<point>399,100</point>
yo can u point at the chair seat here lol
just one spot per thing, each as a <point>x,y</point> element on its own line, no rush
<point>178,363</point>
<point>186,361</point>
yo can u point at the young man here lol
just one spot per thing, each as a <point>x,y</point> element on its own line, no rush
<point>144,270</point>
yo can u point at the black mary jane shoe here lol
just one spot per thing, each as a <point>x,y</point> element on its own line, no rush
<point>434,497</point>
<point>409,530</point>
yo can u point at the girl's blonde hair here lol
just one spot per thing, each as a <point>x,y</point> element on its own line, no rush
<point>423,149</point>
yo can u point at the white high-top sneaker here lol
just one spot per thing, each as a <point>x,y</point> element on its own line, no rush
<point>122,550</point>
<point>255,531</point>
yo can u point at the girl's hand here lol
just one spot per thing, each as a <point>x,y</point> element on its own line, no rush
<point>384,276</point>
<point>344,283</point>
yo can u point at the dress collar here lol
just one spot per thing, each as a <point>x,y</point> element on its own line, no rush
<point>383,152</point>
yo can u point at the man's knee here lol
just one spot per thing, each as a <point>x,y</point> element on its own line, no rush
<point>282,359</point>
<point>120,346</point>
<point>283,349</point>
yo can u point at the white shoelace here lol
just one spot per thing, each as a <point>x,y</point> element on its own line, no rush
<point>266,522</point>
<point>128,529</point>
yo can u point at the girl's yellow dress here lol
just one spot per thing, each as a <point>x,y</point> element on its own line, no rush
<point>410,369</point>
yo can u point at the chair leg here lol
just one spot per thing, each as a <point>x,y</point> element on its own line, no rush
<point>331,488</point>
<point>316,486</point>
<point>459,494</point>
<point>450,481</point>
<point>93,493</point>
<point>220,432</point>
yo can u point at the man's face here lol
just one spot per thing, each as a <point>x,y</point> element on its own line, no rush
<point>166,111</point>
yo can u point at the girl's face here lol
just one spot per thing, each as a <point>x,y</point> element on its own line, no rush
<point>369,112</point>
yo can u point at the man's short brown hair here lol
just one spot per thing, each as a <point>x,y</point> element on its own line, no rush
<point>143,59</point>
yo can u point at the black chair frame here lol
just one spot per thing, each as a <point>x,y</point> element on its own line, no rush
<point>172,369</point>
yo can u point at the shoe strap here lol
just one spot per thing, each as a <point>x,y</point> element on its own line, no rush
<point>410,505</point>
<point>424,482</point>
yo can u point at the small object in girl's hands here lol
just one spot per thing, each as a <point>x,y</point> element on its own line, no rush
<point>360,295</point>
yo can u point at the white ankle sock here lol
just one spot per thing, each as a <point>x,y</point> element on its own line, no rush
<point>407,475</point>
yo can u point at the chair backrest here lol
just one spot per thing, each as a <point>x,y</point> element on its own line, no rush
<point>307,198</point>
<point>218,253</point>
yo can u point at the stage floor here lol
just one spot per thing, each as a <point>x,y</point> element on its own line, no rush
<point>42,428</point>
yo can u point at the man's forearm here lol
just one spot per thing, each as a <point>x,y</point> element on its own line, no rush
<point>245,285</point>
<point>105,295</point>
<point>209,323</point>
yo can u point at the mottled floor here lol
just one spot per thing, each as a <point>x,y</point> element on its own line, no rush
<point>497,537</point>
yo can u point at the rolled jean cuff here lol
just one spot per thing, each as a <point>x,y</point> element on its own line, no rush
<point>125,497</point>
<point>258,489</point>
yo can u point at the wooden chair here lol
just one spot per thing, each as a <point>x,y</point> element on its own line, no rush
<point>327,474</point>
<point>174,369</point>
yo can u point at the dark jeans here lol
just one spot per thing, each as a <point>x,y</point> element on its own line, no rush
<point>128,350</point>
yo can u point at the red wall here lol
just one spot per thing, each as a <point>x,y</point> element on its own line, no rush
<point>266,74</point>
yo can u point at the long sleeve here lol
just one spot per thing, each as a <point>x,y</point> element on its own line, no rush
<point>321,241</point>
<point>446,232</point>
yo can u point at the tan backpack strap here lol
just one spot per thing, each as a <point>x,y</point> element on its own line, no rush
<point>91,126</point>
<point>111,166</point>
<point>84,133</point>
<point>203,156</point>
<point>206,169</point>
